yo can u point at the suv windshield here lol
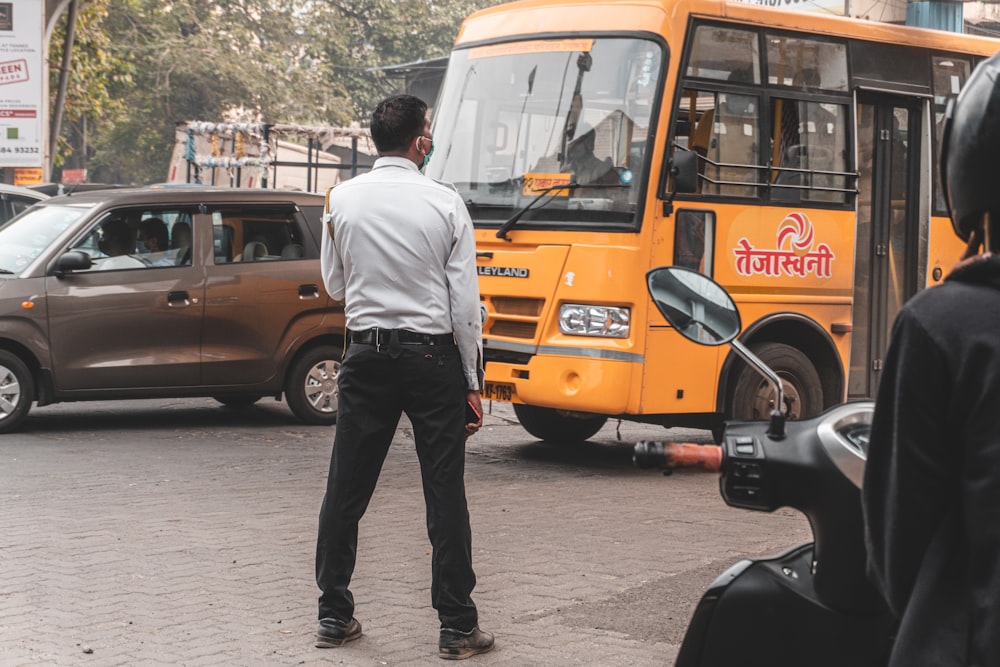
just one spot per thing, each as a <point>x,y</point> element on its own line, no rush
<point>516,118</point>
<point>25,237</point>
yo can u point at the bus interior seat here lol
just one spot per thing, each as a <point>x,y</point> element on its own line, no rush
<point>703,133</point>
<point>792,160</point>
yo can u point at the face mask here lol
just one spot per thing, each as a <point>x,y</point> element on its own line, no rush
<point>141,247</point>
<point>427,158</point>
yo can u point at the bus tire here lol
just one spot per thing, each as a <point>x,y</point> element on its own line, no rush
<point>753,396</point>
<point>17,391</point>
<point>557,427</point>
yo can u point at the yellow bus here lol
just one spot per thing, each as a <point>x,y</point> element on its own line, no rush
<point>789,155</point>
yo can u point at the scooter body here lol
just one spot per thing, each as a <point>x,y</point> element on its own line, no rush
<point>765,613</point>
<point>812,606</point>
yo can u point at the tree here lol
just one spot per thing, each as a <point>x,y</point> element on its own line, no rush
<point>141,66</point>
<point>96,71</point>
<point>369,35</point>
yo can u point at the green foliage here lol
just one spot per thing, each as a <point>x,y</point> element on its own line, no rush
<point>378,33</point>
<point>141,66</point>
<point>97,73</point>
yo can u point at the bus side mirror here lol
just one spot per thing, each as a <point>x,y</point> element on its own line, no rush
<point>684,171</point>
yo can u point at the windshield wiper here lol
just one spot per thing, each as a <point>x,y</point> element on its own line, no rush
<point>512,220</point>
<point>505,227</point>
<point>472,203</point>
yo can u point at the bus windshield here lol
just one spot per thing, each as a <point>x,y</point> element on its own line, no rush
<point>518,118</point>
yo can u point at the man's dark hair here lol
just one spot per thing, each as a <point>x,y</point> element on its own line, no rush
<point>397,121</point>
<point>155,228</point>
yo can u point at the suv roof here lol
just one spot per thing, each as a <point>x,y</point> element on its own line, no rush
<point>183,195</point>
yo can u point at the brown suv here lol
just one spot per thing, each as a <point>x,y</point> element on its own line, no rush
<point>168,292</point>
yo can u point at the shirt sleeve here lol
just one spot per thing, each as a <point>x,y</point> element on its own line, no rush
<point>331,264</point>
<point>463,290</point>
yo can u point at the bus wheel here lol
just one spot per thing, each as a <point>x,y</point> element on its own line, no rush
<point>557,426</point>
<point>753,397</point>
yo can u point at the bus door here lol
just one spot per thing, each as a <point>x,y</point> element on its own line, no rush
<point>885,276</point>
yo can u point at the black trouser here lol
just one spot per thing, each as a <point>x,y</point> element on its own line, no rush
<point>426,382</point>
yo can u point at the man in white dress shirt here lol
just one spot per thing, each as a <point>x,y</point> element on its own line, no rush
<point>399,249</point>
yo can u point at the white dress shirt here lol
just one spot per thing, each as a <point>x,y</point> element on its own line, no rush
<point>403,256</point>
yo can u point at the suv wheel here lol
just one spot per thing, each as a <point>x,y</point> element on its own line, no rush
<point>17,391</point>
<point>311,386</point>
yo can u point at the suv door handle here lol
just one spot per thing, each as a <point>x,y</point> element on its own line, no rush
<point>178,299</point>
<point>308,291</point>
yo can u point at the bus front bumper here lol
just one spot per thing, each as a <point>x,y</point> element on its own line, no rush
<point>597,385</point>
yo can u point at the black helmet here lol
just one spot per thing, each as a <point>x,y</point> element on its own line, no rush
<point>970,147</point>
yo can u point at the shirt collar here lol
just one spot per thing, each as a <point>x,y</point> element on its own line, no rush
<point>395,161</point>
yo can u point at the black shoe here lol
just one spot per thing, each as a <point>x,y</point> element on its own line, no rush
<point>458,645</point>
<point>333,632</point>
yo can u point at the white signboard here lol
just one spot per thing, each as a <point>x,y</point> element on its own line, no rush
<point>21,83</point>
<point>837,7</point>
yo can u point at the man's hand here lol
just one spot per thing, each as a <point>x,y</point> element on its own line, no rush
<point>472,398</point>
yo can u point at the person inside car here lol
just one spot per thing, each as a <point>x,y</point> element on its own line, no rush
<point>115,244</point>
<point>153,242</point>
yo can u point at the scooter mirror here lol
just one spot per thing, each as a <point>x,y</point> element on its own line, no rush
<point>695,305</point>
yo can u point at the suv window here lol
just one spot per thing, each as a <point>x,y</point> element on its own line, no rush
<point>257,234</point>
<point>139,239</point>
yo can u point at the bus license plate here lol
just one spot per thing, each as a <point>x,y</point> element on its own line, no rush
<point>498,391</point>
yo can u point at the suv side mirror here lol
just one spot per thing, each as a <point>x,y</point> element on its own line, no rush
<point>74,260</point>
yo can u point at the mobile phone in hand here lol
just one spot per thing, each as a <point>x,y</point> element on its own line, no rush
<point>471,416</point>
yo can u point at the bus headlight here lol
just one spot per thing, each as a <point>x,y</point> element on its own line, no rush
<point>583,320</point>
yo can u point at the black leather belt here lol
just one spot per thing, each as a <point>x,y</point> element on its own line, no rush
<point>379,337</point>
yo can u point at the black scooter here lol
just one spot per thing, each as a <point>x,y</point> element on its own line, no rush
<point>812,606</point>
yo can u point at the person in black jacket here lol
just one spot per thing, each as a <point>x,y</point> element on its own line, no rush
<point>931,494</point>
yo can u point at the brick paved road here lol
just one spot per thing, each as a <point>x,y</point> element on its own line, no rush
<point>179,533</point>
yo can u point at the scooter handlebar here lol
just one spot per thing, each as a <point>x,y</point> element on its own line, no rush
<point>673,455</point>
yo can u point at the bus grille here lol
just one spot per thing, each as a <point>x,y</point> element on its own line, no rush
<point>515,317</point>
<point>507,305</point>
<point>506,356</point>
<point>513,329</point>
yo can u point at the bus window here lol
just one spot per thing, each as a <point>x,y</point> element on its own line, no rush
<point>949,75</point>
<point>723,129</point>
<point>806,63</point>
<point>692,236</point>
<point>725,54</point>
<point>810,142</point>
